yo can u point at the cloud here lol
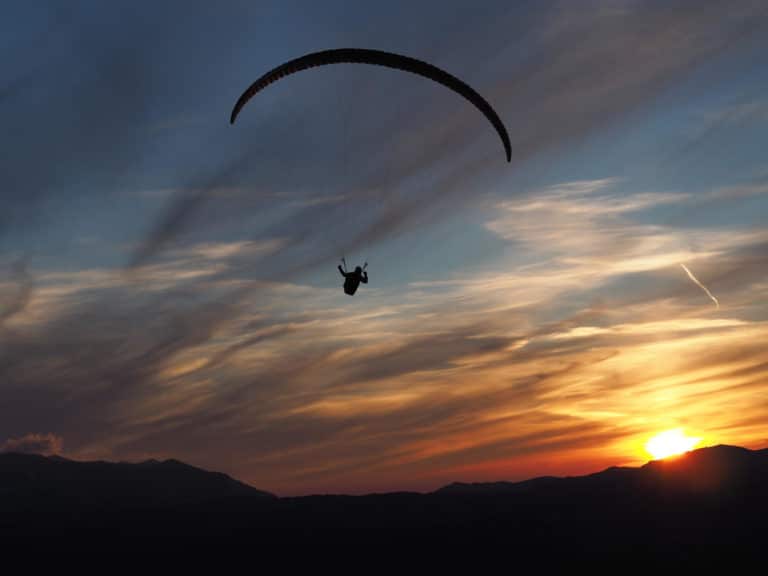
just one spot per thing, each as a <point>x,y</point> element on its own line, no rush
<point>15,299</point>
<point>587,66</point>
<point>379,391</point>
<point>753,111</point>
<point>599,232</point>
<point>227,250</point>
<point>45,444</point>
<point>183,206</point>
<point>210,352</point>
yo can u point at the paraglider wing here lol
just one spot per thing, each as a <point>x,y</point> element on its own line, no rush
<point>378,58</point>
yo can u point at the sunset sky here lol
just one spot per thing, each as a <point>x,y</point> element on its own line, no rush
<point>168,282</point>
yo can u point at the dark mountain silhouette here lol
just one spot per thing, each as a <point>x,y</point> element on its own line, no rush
<point>29,480</point>
<point>705,509</point>
<point>717,469</point>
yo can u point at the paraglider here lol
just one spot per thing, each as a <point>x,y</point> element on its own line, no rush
<point>352,279</point>
<point>377,58</point>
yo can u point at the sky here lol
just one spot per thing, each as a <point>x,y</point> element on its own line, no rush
<point>168,282</point>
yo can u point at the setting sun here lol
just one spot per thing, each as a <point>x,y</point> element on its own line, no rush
<point>670,443</point>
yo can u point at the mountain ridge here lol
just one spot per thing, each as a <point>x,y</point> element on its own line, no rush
<point>728,455</point>
<point>704,507</point>
<point>25,477</point>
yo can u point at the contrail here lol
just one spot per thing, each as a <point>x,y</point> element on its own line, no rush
<point>700,285</point>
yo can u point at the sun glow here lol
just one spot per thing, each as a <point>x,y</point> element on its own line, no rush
<point>670,443</point>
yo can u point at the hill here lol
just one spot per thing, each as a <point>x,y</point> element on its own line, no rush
<point>702,509</point>
<point>32,482</point>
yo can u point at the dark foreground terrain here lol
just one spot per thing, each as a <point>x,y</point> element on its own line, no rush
<point>706,509</point>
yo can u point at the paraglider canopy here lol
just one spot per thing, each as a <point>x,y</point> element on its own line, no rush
<point>378,58</point>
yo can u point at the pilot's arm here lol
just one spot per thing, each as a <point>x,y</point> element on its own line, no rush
<point>365,278</point>
<point>341,271</point>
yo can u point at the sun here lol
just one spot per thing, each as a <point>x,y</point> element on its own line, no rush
<point>670,443</point>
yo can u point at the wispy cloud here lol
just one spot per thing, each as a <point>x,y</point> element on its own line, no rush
<point>445,399</point>
<point>631,52</point>
<point>45,444</point>
<point>15,294</point>
<point>215,346</point>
